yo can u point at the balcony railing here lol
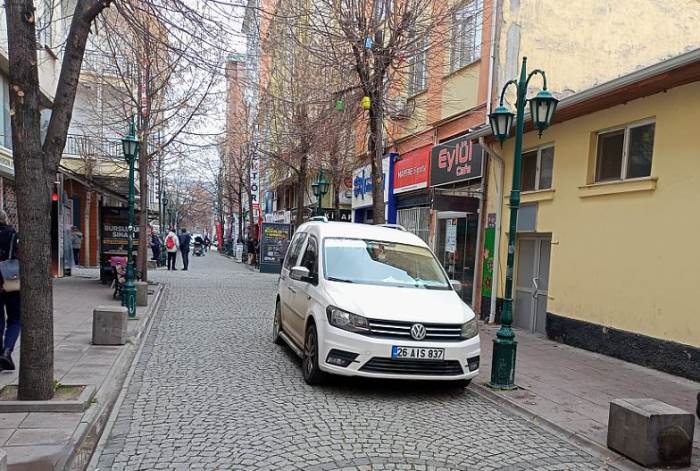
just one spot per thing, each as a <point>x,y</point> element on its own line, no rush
<point>84,146</point>
<point>103,63</point>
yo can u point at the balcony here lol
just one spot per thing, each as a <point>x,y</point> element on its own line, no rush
<point>106,64</point>
<point>78,146</point>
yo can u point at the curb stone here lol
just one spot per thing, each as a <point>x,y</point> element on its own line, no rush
<point>82,442</point>
<point>590,446</point>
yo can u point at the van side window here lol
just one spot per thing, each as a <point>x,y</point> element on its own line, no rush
<point>294,249</point>
<point>310,256</point>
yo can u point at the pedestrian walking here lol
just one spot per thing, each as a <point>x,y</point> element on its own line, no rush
<point>155,246</point>
<point>10,324</point>
<point>207,243</point>
<point>185,239</point>
<point>171,243</point>
<point>77,242</point>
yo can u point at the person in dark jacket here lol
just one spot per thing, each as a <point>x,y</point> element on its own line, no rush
<point>10,324</point>
<point>185,239</point>
<point>155,246</point>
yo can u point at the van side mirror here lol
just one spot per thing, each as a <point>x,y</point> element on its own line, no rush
<point>300,273</point>
<point>456,285</point>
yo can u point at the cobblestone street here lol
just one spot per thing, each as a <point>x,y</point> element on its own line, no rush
<point>211,391</point>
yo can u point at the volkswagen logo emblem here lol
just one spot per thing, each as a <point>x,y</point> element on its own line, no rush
<point>418,331</point>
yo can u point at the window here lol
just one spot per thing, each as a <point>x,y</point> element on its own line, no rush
<point>537,169</point>
<point>466,35</point>
<point>294,249</point>
<point>625,153</point>
<point>5,125</point>
<point>418,73</point>
<point>44,26</point>
<point>309,259</point>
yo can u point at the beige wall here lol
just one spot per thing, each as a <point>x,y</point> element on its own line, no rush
<point>624,255</point>
<point>587,42</point>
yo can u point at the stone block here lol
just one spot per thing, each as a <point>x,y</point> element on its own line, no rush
<point>152,265</point>
<point>141,293</point>
<point>650,432</point>
<point>109,324</point>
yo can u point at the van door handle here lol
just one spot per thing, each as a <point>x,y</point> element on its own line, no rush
<point>291,289</point>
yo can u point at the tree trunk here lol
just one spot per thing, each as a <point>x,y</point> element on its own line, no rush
<point>301,188</point>
<point>33,183</point>
<point>376,154</point>
<point>142,254</point>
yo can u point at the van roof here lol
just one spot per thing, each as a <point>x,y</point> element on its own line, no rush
<point>360,231</point>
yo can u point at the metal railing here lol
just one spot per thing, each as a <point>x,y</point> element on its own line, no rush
<point>103,63</point>
<point>84,146</point>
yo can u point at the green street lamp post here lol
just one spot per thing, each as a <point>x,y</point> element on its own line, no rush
<point>320,188</point>
<point>130,145</point>
<point>542,108</point>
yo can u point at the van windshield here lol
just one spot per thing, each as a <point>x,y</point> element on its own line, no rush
<point>376,262</point>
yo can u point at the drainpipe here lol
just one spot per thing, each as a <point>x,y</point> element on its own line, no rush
<point>493,51</point>
<point>497,240</point>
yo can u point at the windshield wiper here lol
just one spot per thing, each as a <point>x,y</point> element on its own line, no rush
<point>342,280</point>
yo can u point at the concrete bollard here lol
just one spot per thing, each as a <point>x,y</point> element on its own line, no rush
<point>650,432</point>
<point>109,325</point>
<point>141,293</point>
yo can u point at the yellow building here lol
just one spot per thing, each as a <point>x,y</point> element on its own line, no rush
<point>606,255</point>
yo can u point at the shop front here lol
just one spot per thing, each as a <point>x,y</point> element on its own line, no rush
<point>456,190</point>
<point>411,180</point>
<point>362,211</point>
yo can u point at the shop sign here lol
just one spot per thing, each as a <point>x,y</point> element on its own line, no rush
<point>455,161</point>
<point>412,170</point>
<point>451,237</point>
<point>345,191</point>
<point>362,184</point>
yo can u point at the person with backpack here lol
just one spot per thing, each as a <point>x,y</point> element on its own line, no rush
<point>171,243</point>
<point>185,239</point>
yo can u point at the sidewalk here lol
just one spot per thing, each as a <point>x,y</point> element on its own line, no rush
<point>571,389</point>
<point>40,441</point>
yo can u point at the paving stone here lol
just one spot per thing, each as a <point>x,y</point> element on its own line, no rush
<point>211,391</point>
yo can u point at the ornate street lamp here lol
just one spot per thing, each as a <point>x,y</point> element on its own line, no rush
<point>542,108</point>
<point>320,188</point>
<point>130,146</point>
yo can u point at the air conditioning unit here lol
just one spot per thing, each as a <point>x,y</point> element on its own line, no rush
<point>401,108</point>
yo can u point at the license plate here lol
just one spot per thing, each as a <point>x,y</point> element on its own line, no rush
<point>417,353</point>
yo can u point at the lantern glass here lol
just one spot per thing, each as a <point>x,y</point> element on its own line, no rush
<point>542,109</point>
<point>129,146</point>
<point>501,121</point>
<point>323,186</point>
<point>315,188</point>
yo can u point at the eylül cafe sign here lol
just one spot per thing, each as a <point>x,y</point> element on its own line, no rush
<point>455,161</point>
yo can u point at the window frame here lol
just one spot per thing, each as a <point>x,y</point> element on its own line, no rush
<point>462,51</point>
<point>420,58</point>
<point>311,239</point>
<point>625,149</point>
<point>288,263</point>
<point>538,168</point>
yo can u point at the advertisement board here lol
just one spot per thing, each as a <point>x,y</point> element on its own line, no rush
<point>114,236</point>
<point>412,170</point>
<point>273,246</point>
<point>455,161</point>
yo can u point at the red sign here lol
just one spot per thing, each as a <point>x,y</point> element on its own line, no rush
<point>412,170</point>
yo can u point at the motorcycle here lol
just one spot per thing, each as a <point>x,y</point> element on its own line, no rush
<point>198,247</point>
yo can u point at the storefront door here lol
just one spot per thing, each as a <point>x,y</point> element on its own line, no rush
<point>532,283</point>
<point>456,248</point>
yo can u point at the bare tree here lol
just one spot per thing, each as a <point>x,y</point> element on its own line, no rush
<point>36,162</point>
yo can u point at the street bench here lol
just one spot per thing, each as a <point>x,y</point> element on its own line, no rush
<point>650,432</point>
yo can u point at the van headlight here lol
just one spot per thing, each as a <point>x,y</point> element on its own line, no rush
<point>470,329</point>
<point>346,320</point>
